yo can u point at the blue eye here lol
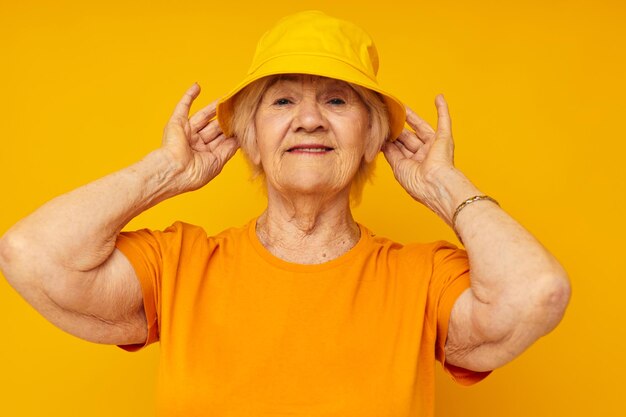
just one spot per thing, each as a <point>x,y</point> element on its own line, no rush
<point>282,101</point>
<point>336,101</point>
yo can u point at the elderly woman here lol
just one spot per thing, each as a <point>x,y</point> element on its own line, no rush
<point>303,311</point>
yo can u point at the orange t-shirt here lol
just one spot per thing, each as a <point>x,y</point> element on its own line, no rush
<point>244,333</point>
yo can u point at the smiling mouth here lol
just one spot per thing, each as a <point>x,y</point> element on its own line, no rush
<point>309,149</point>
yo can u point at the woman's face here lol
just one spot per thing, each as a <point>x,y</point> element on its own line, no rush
<point>311,134</point>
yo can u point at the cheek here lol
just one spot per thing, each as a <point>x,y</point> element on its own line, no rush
<point>352,155</point>
<point>270,124</point>
<point>357,137</point>
<point>266,131</point>
<point>270,153</point>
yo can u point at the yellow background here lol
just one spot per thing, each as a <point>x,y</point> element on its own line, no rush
<point>536,91</point>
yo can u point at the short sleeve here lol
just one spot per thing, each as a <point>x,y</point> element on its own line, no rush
<point>144,250</point>
<point>450,278</point>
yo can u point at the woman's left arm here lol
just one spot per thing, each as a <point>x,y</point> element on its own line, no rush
<point>519,291</point>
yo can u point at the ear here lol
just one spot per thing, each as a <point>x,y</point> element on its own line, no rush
<point>251,147</point>
<point>255,154</point>
<point>374,142</point>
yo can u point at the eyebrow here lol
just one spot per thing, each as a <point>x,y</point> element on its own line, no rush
<point>288,77</point>
<point>293,78</point>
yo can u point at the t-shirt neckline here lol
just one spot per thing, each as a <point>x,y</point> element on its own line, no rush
<point>295,267</point>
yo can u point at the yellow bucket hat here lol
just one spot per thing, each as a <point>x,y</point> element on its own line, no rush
<point>314,43</point>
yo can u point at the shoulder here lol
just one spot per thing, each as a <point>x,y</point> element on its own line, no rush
<point>181,243</point>
<point>434,253</point>
<point>177,241</point>
<point>185,232</point>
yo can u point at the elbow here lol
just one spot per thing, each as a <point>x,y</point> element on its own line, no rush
<point>5,253</point>
<point>554,299</point>
<point>14,259</point>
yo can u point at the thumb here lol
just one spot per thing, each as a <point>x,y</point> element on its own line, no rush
<point>444,124</point>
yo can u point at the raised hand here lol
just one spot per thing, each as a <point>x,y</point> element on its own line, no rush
<point>418,158</point>
<point>196,145</point>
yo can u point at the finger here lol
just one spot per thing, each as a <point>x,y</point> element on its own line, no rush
<point>423,130</point>
<point>210,132</point>
<point>405,151</point>
<point>444,124</point>
<point>211,146</point>
<point>182,108</point>
<point>410,140</point>
<point>227,149</point>
<point>392,154</point>
<point>214,144</point>
<point>202,117</point>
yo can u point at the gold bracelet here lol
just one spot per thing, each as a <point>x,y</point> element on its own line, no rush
<point>465,204</point>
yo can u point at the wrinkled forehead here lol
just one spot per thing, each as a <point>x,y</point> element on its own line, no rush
<point>315,80</point>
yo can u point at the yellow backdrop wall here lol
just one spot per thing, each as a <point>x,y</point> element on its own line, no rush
<point>536,92</point>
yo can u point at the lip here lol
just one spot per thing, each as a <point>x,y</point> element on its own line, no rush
<point>312,148</point>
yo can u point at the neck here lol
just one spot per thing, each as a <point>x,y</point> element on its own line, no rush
<point>308,229</point>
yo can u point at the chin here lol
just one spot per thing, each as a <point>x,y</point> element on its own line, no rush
<point>313,184</point>
<point>311,180</point>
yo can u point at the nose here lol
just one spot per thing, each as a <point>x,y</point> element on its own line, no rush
<point>309,116</point>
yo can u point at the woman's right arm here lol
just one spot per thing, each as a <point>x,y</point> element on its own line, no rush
<point>62,258</point>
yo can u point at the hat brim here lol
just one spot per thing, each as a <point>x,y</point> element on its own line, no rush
<point>321,65</point>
